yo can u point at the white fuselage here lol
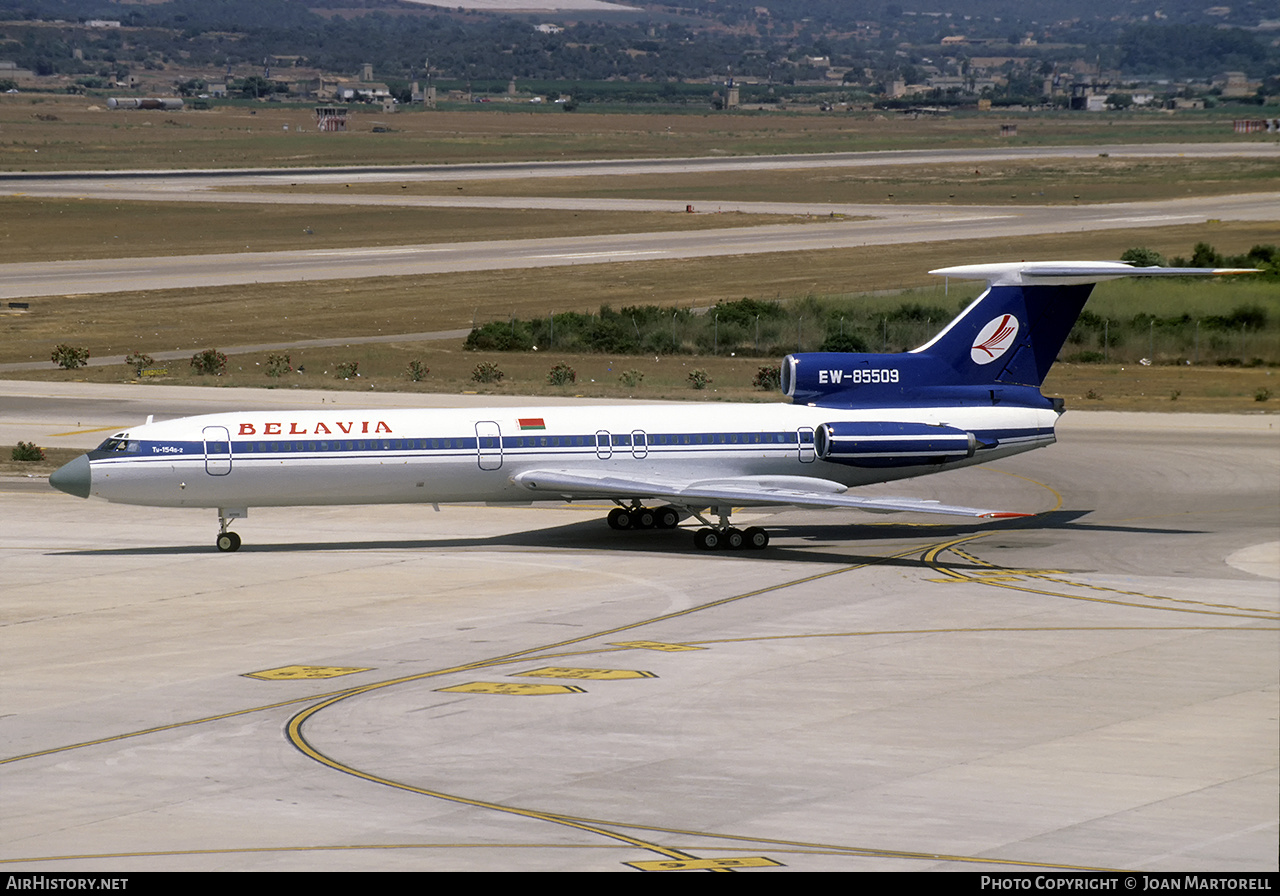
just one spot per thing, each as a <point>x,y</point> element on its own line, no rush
<point>259,459</point>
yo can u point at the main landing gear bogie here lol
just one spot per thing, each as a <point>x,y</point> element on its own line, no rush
<point>711,537</point>
<point>714,539</point>
<point>625,518</point>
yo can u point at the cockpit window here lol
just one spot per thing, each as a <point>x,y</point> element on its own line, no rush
<point>118,444</point>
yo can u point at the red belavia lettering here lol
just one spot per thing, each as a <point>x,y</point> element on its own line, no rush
<point>318,427</point>
<point>969,395</point>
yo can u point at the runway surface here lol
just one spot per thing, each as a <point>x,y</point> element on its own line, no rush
<point>904,224</point>
<point>523,688</point>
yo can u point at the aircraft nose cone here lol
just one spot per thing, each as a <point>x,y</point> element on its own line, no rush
<point>73,477</point>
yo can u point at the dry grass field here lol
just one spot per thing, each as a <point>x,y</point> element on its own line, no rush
<point>1025,182</point>
<point>47,133</point>
<point>69,134</point>
<point>35,229</point>
<point>53,458</point>
<point>292,312</point>
<point>383,367</point>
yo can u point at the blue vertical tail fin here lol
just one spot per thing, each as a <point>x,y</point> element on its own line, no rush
<point>1009,335</point>
<point>1006,339</point>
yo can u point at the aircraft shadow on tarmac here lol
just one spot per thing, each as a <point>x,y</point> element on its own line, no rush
<point>591,535</point>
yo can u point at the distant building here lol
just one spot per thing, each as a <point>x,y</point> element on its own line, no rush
<point>1235,84</point>
<point>11,70</point>
<point>361,91</point>
<point>956,84</point>
<point>1090,96</point>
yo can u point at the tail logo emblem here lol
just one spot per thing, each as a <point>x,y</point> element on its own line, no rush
<point>994,339</point>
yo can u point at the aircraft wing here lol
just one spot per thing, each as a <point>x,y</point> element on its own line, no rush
<point>737,491</point>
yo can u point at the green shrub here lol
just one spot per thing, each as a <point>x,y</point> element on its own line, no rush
<point>69,357</point>
<point>744,312</point>
<point>27,451</point>
<point>842,342</point>
<point>487,372</point>
<point>914,312</point>
<point>278,364</point>
<point>1242,317</point>
<point>1260,395</point>
<point>768,379</point>
<point>209,361</point>
<point>630,378</point>
<point>699,378</point>
<point>562,375</point>
<point>1205,256</point>
<point>417,371</point>
<point>498,336</point>
<point>346,369</point>
<point>139,362</point>
<point>1143,257</point>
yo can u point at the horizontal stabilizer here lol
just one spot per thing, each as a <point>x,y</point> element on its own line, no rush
<point>1063,273</point>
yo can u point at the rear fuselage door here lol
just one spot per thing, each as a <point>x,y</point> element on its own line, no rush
<point>805,436</point>
<point>217,450</point>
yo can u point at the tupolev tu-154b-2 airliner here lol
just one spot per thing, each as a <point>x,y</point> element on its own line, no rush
<point>969,395</point>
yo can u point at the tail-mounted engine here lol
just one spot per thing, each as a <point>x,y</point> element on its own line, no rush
<point>889,444</point>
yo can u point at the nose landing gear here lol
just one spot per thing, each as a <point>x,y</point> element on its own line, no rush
<point>228,541</point>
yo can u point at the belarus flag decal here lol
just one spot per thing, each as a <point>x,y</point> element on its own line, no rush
<point>531,423</point>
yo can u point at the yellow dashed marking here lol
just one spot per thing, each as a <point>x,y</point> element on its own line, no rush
<point>78,432</point>
<point>1000,577</point>
<point>706,864</point>
<point>654,645</point>
<point>295,673</point>
<point>586,674</point>
<point>513,689</point>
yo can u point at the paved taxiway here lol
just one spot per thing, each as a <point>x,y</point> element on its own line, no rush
<point>524,688</point>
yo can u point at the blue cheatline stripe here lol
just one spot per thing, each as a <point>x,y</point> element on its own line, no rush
<point>466,446</point>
